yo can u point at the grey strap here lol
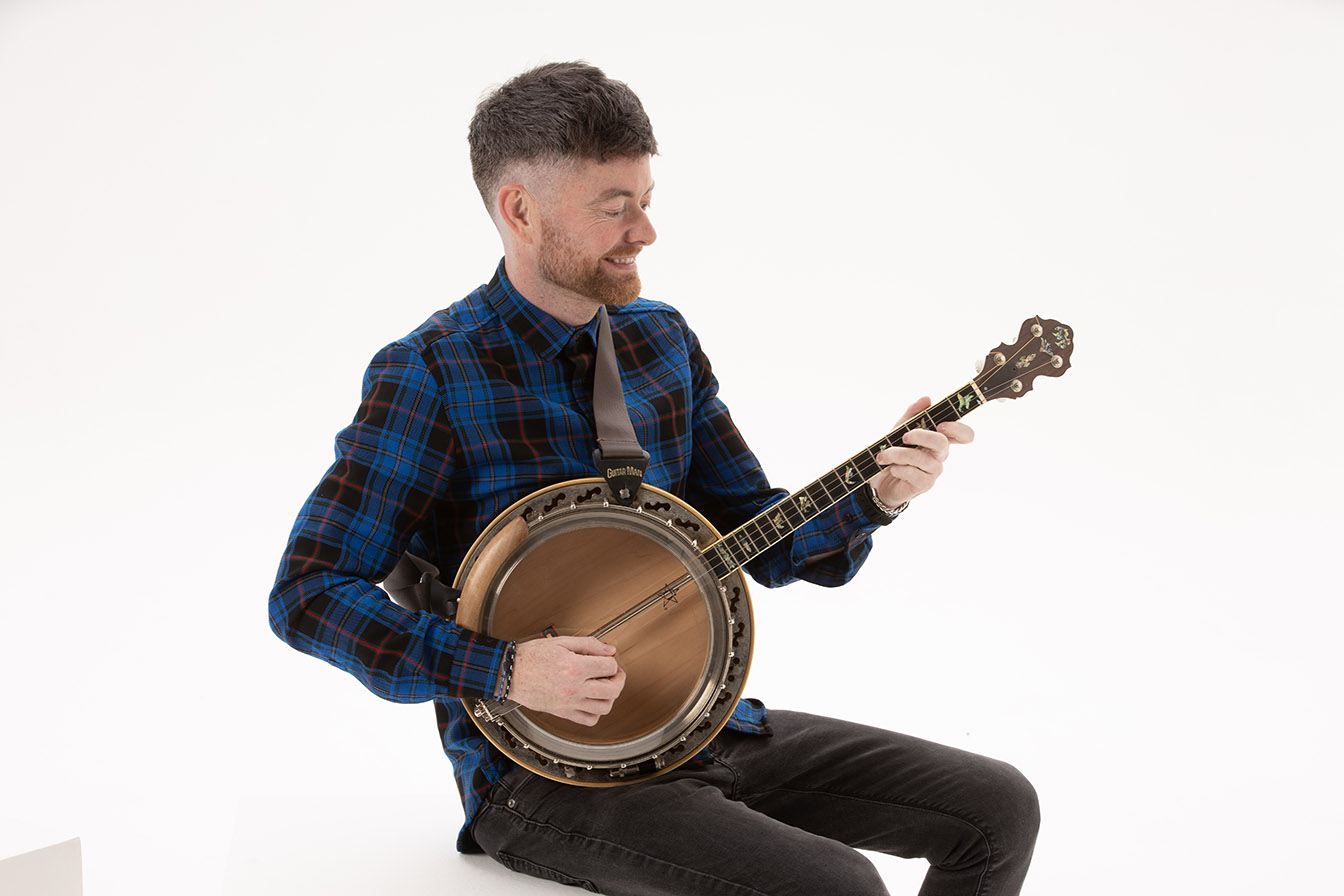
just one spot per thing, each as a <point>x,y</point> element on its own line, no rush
<point>619,457</point>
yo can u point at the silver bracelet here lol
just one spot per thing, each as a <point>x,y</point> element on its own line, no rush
<point>892,512</point>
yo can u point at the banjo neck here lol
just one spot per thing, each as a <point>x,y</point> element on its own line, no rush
<point>777,522</point>
<point>1043,348</point>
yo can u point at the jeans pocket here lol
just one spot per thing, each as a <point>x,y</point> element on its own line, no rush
<point>523,866</point>
<point>511,786</point>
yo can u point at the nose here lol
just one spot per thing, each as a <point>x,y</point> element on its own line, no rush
<point>641,232</point>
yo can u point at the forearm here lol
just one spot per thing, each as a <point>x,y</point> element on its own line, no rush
<point>399,655</point>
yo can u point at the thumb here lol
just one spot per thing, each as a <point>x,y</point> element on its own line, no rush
<point>920,405</point>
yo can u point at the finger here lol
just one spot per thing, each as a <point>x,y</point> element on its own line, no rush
<point>597,708</point>
<point>583,718</point>
<point>917,458</point>
<point>920,480</point>
<point>585,645</point>
<point>585,668</point>
<point>957,433</point>
<point>931,441</point>
<point>606,688</point>
<point>903,486</point>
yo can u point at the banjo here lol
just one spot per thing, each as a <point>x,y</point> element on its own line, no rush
<point>640,569</point>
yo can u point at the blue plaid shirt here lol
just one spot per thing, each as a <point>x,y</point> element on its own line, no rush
<point>485,402</point>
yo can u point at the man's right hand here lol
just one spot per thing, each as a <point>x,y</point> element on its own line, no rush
<point>574,678</point>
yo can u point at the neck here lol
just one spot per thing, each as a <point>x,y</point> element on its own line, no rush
<point>564,305</point>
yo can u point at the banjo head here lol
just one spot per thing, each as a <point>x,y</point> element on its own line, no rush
<point>580,566</point>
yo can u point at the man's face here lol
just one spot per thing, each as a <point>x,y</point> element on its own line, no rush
<point>594,222</point>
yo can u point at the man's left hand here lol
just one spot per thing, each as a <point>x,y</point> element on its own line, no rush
<point>912,469</point>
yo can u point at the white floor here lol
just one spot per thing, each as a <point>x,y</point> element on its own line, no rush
<point>333,846</point>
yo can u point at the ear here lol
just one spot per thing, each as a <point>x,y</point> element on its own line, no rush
<point>517,209</point>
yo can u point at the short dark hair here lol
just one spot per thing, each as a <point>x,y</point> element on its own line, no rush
<point>561,110</point>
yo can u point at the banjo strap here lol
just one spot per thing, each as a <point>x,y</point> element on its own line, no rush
<point>619,458</point>
<point>415,584</point>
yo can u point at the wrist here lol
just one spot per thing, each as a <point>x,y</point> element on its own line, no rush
<point>875,509</point>
<point>891,512</point>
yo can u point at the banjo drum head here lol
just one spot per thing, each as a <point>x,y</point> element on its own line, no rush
<point>583,565</point>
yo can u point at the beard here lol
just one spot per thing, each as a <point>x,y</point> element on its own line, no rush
<point>562,264</point>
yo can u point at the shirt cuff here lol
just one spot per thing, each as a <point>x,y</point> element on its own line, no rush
<point>479,666</point>
<point>874,514</point>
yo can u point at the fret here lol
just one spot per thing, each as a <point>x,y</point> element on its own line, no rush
<point>965,401</point>
<point>821,483</point>
<point>764,532</point>
<point>718,566</point>
<point>751,537</point>
<point>745,547</point>
<point>858,470</point>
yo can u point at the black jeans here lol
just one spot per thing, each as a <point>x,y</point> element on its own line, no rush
<point>776,815</point>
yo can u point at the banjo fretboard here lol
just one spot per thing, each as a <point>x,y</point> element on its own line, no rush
<point>772,525</point>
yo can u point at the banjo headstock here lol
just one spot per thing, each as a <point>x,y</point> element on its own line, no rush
<point>1043,348</point>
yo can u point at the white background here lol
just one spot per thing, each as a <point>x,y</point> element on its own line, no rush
<point>213,213</point>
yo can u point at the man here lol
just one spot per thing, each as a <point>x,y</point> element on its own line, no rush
<point>490,400</point>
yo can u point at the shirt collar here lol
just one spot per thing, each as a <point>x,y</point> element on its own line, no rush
<point>543,334</point>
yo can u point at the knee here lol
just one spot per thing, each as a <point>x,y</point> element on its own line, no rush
<point>999,821</point>
<point>839,870</point>
<point>1014,810</point>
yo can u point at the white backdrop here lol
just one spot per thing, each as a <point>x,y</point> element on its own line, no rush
<point>213,213</point>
